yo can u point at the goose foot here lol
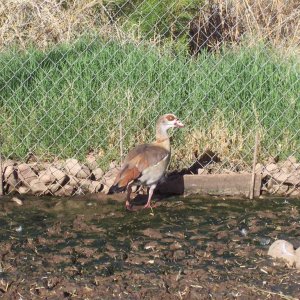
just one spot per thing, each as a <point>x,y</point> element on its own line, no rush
<point>148,205</point>
<point>129,206</point>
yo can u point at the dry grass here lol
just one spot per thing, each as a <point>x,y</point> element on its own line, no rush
<point>227,139</point>
<point>48,22</point>
<point>276,22</point>
<point>231,145</point>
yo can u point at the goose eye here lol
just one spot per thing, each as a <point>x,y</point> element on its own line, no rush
<point>170,118</point>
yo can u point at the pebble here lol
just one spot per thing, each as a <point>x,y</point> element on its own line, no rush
<point>151,245</point>
<point>175,246</point>
<point>17,200</point>
<point>264,241</point>
<point>19,229</point>
<point>244,231</point>
<point>283,249</point>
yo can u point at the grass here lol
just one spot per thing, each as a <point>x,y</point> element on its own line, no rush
<point>71,99</point>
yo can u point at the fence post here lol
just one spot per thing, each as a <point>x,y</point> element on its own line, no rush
<point>254,164</point>
<point>121,139</point>
<point>255,152</point>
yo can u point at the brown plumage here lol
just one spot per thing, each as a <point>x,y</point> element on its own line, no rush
<point>146,164</point>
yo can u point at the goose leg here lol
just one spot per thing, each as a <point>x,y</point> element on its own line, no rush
<point>151,190</point>
<point>128,204</point>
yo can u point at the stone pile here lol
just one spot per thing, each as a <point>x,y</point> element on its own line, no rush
<point>280,178</point>
<point>63,178</point>
<point>66,178</point>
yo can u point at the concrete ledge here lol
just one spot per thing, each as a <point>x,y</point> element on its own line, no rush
<point>213,184</point>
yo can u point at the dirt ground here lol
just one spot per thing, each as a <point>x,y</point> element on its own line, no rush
<point>186,248</point>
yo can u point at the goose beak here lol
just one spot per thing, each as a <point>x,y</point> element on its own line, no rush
<point>179,124</point>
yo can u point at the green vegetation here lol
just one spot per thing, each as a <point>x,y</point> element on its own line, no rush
<point>71,99</point>
<point>152,18</point>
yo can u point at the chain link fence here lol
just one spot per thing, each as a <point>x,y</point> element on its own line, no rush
<point>83,81</point>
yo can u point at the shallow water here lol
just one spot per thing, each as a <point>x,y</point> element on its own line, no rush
<point>185,246</point>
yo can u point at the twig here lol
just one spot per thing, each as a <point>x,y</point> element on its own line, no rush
<point>1,178</point>
<point>280,294</point>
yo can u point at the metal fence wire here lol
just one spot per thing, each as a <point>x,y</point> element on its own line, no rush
<point>83,81</point>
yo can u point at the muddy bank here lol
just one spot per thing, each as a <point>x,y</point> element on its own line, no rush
<point>191,248</point>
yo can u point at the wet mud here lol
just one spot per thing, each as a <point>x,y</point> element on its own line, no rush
<point>186,248</point>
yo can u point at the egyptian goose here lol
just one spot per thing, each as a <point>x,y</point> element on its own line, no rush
<point>146,164</point>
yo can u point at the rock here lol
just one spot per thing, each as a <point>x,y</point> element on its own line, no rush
<point>112,165</point>
<point>58,174</point>
<point>74,181</point>
<point>26,174</point>
<point>54,187</point>
<point>298,263</point>
<point>152,233</point>
<point>294,193</point>
<point>10,176</point>
<point>270,169</point>
<point>297,252</point>
<point>46,178</point>
<point>286,172</point>
<point>287,178</point>
<point>65,191</point>
<point>284,250</point>
<point>90,186</point>
<point>288,164</point>
<point>53,177</point>
<point>37,187</point>
<point>284,167</point>
<point>58,164</point>
<point>73,167</point>
<point>17,200</point>
<point>280,189</point>
<point>8,162</point>
<point>91,161</point>
<point>202,171</point>
<point>98,173</point>
<point>109,178</point>
<point>42,166</point>
<point>60,179</point>
<point>271,183</point>
<point>23,190</point>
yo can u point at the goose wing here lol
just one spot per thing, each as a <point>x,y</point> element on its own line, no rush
<point>138,161</point>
